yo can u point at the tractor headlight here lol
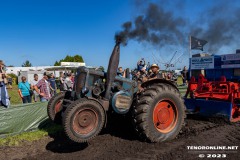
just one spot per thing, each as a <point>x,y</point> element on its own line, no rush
<point>121,102</point>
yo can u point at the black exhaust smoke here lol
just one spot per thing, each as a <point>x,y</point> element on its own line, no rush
<point>113,66</point>
<point>159,26</point>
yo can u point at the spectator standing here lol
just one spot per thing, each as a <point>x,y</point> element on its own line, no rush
<point>9,82</point>
<point>149,72</point>
<point>143,75</point>
<point>36,96</point>
<point>23,90</point>
<point>43,88</point>
<point>53,85</point>
<point>148,67</point>
<point>73,78</point>
<point>184,75</point>
<point>141,64</point>
<point>68,84</point>
<point>62,79</point>
<point>167,76</point>
<point>4,98</point>
<point>120,72</point>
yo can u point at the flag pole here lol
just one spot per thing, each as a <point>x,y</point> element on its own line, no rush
<point>190,56</point>
<point>190,46</point>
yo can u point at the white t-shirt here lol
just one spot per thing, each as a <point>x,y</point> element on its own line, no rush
<point>33,83</point>
<point>68,85</point>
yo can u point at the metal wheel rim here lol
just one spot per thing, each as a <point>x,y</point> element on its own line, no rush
<point>85,121</point>
<point>58,106</point>
<point>165,116</point>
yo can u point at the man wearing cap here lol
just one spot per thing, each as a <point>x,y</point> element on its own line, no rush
<point>43,88</point>
<point>155,72</point>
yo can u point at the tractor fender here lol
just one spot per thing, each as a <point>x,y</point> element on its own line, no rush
<point>149,82</point>
<point>104,108</point>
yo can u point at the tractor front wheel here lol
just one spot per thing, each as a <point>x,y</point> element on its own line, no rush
<point>83,120</point>
<point>54,108</point>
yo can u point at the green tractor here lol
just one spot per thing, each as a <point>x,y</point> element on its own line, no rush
<point>158,111</point>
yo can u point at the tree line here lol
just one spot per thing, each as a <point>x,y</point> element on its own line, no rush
<point>76,58</point>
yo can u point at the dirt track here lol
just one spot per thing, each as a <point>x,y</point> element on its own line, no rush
<point>119,142</point>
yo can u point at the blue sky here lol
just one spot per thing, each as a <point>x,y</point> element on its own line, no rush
<point>43,31</point>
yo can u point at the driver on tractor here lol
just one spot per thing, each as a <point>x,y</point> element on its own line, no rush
<point>155,72</point>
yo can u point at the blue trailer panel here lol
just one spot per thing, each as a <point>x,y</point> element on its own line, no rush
<point>209,108</point>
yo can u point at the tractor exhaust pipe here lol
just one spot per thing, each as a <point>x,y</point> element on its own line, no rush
<point>112,68</point>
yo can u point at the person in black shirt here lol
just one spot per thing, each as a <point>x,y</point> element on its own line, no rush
<point>184,75</point>
<point>53,85</point>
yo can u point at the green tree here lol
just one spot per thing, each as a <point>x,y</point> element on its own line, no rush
<point>101,68</point>
<point>57,63</point>
<point>76,58</point>
<point>27,64</point>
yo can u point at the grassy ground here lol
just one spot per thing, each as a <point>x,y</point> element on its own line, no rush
<point>30,136</point>
<point>13,93</point>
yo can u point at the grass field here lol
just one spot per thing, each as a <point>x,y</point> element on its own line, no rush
<point>30,136</point>
<point>13,93</point>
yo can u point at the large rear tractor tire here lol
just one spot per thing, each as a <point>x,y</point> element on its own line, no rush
<point>159,113</point>
<point>83,120</point>
<point>54,108</point>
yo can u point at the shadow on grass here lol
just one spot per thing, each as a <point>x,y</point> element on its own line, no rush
<point>60,143</point>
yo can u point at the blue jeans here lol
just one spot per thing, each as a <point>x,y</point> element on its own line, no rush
<point>42,99</point>
<point>27,99</point>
